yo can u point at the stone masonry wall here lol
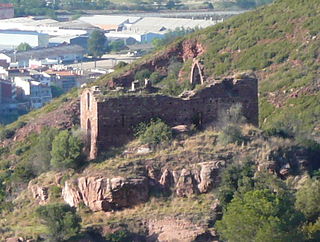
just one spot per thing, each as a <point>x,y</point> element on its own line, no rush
<point>112,121</point>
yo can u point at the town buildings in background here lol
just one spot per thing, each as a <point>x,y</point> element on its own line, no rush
<point>57,60</point>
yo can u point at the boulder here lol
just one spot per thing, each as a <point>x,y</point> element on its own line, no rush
<point>39,193</point>
<point>105,194</point>
<point>186,184</point>
<point>208,176</point>
<point>71,194</point>
<point>166,179</point>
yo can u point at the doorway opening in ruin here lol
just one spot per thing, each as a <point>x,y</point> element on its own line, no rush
<point>197,120</point>
<point>89,136</point>
<point>196,75</point>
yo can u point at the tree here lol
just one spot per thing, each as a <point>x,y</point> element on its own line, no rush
<point>96,43</point>
<point>61,220</point>
<point>308,199</point>
<point>23,47</point>
<point>120,65</point>
<point>142,74</point>
<point>260,215</point>
<point>117,45</point>
<point>235,178</point>
<point>155,77</point>
<point>66,151</point>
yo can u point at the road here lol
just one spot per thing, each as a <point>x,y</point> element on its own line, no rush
<point>108,61</point>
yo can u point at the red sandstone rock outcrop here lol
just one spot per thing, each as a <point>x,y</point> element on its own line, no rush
<point>105,194</point>
<point>187,184</point>
<point>39,193</point>
<point>193,180</point>
<point>171,229</point>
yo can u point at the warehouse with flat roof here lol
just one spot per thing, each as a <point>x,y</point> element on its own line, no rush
<point>10,39</point>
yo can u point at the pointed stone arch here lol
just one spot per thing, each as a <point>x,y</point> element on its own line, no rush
<point>196,74</point>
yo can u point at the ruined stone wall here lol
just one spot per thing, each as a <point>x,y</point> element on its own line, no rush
<point>112,121</point>
<point>89,119</point>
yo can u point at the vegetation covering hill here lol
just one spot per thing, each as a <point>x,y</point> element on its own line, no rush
<point>276,166</point>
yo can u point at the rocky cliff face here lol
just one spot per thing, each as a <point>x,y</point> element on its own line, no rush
<point>106,194</point>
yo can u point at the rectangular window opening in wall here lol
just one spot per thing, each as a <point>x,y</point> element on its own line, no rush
<point>122,120</point>
<point>88,100</point>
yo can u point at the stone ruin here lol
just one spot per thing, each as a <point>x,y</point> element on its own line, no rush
<point>110,121</point>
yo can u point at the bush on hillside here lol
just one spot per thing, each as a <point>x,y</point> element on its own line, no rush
<point>308,199</point>
<point>230,134</point>
<point>120,65</point>
<point>61,220</point>
<point>154,133</point>
<point>6,133</point>
<point>66,151</point>
<point>155,77</point>
<point>235,178</point>
<point>260,215</point>
<point>229,122</point>
<point>142,74</point>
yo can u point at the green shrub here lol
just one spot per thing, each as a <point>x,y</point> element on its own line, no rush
<point>231,116</point>
<point>66,151</point>
<point>260,215</point>
<point>308,199</point>
<point>230,134</point>
<point>120,65</point>
<point>118,236</point>
<point>142,74</point>
<point>234,178</point>
<point>6,133</point>
<point>55,192</point>
<point>61,220</point>
<point>155,77</point>
<point>154,133</point>
<point>172,87</point>
<point>23,172</point>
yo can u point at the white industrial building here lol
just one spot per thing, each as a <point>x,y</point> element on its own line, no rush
<point>10,39</point>
<point>144,30</point>
<point>60,54</point>
<point>46,26</point>
<point>109,22</point>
